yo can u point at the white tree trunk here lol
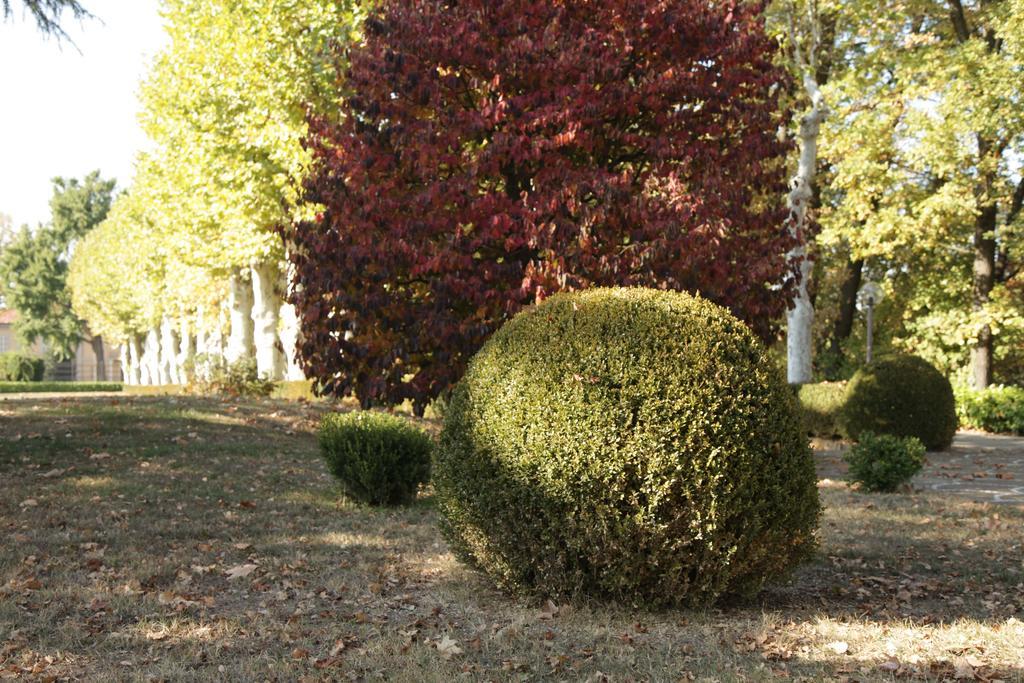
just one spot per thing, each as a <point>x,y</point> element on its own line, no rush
<point>168,353</point>
<point>151,358</point>
<point>266,305</point>
<point>186,352</point>
<point>289,334</point>
<point>290,342</point>
<point>800,318</point>
<point>125,362</point>
<point>134,362</point>
<point>240,343</point>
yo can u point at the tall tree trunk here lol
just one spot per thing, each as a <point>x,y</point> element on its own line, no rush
<point>800,318</point>
<point>186,352</point>
<point>168,353</point>
<point>101,362</point>
<point>151,358</point>
<point>134,376</point>
<point>843,327</point>
<point>266,306</point>
<point>984,280</point>
<point>290,334</point>
<point>240,343</point>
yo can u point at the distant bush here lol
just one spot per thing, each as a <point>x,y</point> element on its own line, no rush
<point>995,409</point>
<point>903,396</point>
<point>17,367</point>
<point>822,405</point>
<point>884,462</point>
<point>379,459</point>
<point>218,376</point>
<point>294,390</point>
<point>630,444</point>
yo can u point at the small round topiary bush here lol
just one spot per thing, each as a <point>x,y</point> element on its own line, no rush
<point>629,444</point>
<point>903,396</point>
<point>884,462</point>
<point>379,459</point>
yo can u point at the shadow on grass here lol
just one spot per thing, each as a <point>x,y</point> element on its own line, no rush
<point>129,556</point>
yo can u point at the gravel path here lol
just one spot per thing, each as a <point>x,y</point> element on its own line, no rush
<point>986,468</point>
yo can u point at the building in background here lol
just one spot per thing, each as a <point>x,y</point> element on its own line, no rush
<point>83,367</point>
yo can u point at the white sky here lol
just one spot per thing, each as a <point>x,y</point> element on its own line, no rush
<point>65,113</point>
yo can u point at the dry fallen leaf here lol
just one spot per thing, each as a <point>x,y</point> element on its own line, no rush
<point>963,671</point>
<point>29,503</point>
<point>338,647</point>
<point>550,610</point>
<point>891,665</point>
<point>240,571</point>
<point>448,648</point>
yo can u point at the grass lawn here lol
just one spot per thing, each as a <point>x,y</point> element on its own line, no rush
<point>177,539</point>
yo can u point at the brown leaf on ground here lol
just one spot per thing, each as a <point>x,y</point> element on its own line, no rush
<point>240,571</point>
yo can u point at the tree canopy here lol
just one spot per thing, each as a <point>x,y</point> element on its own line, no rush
<point>33,267</point>
<point>492,153</point>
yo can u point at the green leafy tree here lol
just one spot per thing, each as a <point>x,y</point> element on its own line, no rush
<point>924,149</point>
<point>225,106</point>
<point>33,267</point>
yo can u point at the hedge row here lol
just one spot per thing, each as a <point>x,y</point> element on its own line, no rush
<point>996,409</point>
<point>57,387</point>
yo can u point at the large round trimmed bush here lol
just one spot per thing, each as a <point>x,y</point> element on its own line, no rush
<point>901,395</point>
<point>626,443</point>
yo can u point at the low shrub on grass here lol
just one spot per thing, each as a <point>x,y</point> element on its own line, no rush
<point>821,405</point>
<point>995,409</point>
<point>215,375</point>
<point>17,367</point>
<point>631,444</point>
<point>884,462</point>
<point>903,396</point>
<point>380,459</point>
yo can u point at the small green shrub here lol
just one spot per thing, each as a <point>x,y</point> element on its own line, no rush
<point>902,396</point>
<point>884,462</point>
<point>631,444</point>
<point>995,409</point>
<point>380,459</point>
<point>213,374</point>
<point>822,407</point>
<point>17,367</point>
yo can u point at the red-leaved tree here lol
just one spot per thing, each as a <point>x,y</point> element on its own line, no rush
<point>494,152</point>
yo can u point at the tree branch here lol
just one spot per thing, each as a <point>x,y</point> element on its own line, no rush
<point>959,19</point>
